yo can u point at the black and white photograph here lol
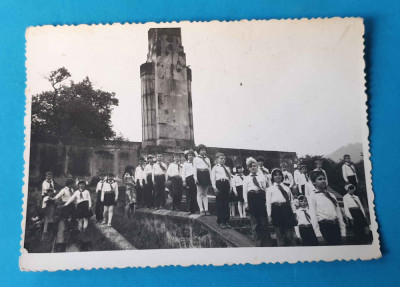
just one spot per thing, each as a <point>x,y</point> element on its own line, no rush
<point>196,143</point>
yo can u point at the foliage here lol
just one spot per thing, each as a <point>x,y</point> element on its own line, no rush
<point>334,171</point>
<point>72,109</point>
<point>120,137</point>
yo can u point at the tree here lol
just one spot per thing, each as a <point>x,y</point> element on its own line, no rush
<point>334,171</point>
<point>73,109</point>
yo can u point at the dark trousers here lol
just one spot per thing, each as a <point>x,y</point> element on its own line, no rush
<point>359,225</point>
<point>99,207</point>
<point>259,218</point>
<point>285,236</point>
<point>191,194</point>
<point>303,189</point>
<point>148,191</point>
<point>159,190</point>
<point>308,236</point>
<point>176,192</point>
<point>222,201</point>
<point>330,230</point>
<point>139,193</point>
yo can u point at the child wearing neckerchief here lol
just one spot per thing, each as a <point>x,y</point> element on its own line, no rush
<point>84,205</point>
<point>109,197</point>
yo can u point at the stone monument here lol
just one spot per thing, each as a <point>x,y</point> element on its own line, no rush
<point>167,119</point>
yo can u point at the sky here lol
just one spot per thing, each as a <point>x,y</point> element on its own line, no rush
<point>293,85</point>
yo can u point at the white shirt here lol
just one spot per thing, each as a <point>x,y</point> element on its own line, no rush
<point>297,174</point>
<point>148,170</point>
<point>65,194</point>
<point>249,185</point>
<point>187,170</point>
<point>238,180</point>
<point>218,173</point>
<point>275,195</point>
<point>303,179</point>
<point>46,185</point>
<point>77,196</point>
<point>322,208</point>
<point>265,172</point>
<point>199,163</point>
<point>110,187</point>
<point>326,177</point>
<point>174,170</point>
<point>157,170</point>
<point>350,201</point>
<point>348,171</point>
<point>302,220</point>
<point>288,178</point>
<point>99,186</point>
<point>140,174</point>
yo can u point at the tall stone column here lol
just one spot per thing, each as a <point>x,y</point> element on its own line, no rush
<point>167,117</point>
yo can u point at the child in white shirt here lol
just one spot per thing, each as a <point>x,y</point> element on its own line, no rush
<point>84,205</point>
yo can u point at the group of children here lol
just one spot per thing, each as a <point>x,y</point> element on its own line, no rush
<point>296,204</point>
<point>75,205</point>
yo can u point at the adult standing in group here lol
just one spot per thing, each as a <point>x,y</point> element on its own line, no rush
<point>202,177</point>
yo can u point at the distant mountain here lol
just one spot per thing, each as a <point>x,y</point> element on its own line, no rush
<point>354,150</point>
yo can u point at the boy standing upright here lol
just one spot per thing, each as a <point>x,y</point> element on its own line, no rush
<point>174,174</point>
<point>262,170</point>
<point>48,183</point>
<point>99,205</point>
<point>221,182</point>
<point>159,176</point>
<point>304,184</point>
<point>189,182</point>
<point>148,181</point>
<point>326,211</point>
<point>140,179</point>
<point>287,176</point>
<point>254,194</point>
<point>349,171</point>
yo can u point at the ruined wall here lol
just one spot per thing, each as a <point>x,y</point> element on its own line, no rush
<point>79,157</point>
<point>166,91</point>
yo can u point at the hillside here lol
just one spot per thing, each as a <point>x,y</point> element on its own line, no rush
<point>354,150</point>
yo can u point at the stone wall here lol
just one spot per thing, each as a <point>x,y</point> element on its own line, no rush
<point>86,158</point>
<point>165,229</point>
<point>80,157</point>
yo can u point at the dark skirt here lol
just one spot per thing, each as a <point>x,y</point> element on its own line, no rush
<point>203,177</point>
<point>109,198</point>
<point>239,190</point>
<point>68,210</point>
<point>359,218</point>
<point>282,216</point>
<point>232,197</point>
<point>82,210</point>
